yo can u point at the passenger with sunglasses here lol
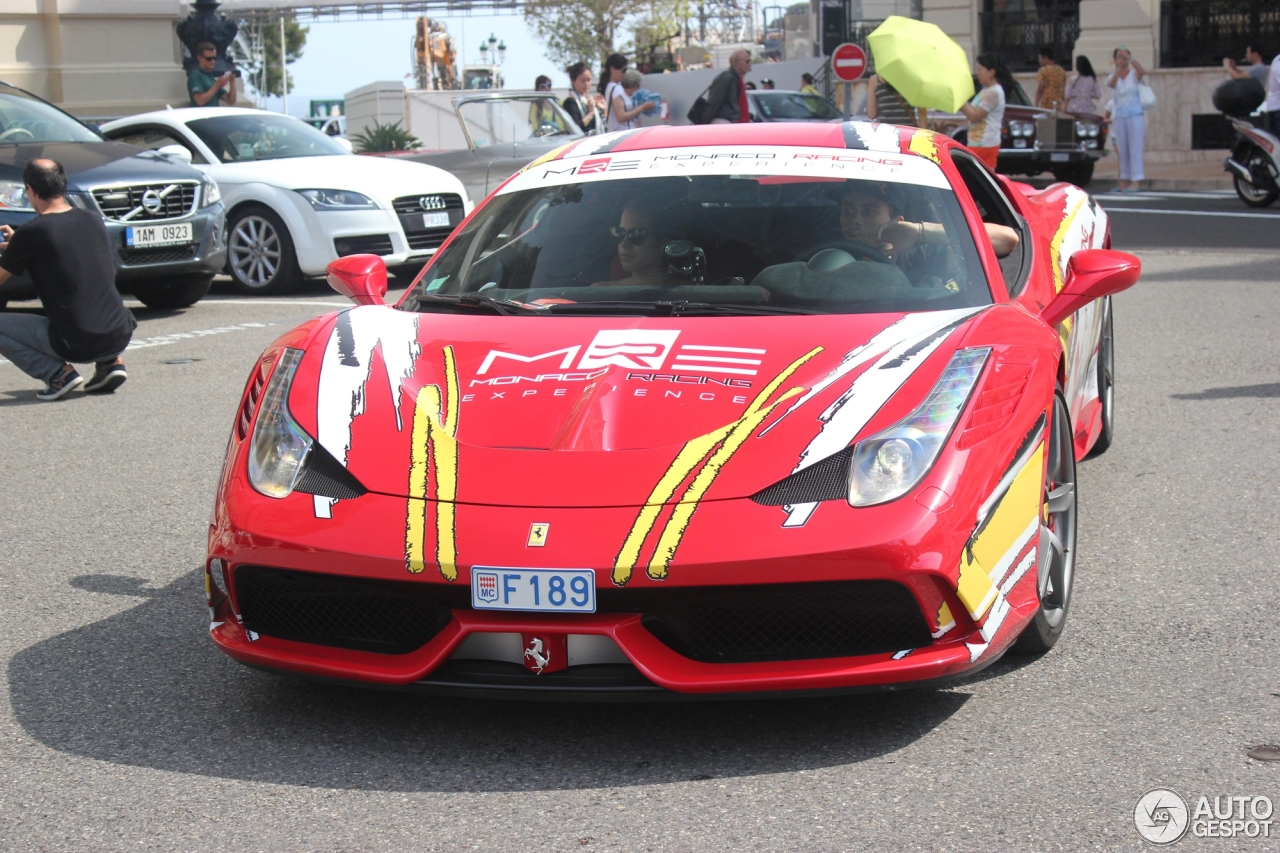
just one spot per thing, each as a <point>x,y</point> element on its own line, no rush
<point>640,241</point>
<point>205,89</point>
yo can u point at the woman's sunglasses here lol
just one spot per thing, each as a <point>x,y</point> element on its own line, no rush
<point>634,236</point>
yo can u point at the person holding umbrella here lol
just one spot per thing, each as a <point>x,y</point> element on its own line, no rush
<point>986,112</point>
<point>919,64</point>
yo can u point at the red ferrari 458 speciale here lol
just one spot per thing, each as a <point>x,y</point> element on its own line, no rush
<point>684,411</point>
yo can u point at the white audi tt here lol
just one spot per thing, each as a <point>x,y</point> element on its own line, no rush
<point>297,199</point>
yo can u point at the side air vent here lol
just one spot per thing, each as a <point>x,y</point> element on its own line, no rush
<point>995,404</point>
<point>325,476</point>
<point>251,397</point>
<point>825,480</point>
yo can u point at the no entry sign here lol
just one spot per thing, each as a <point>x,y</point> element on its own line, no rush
<point>848,62</point>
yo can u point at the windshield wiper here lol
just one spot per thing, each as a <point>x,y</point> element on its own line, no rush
<point>674,308</point>
<point>483,303</point>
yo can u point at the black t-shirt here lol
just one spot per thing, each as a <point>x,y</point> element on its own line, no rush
<point>69,257</point>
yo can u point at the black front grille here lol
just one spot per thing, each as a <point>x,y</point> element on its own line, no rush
<point>432,239</point>
<point>825,480</point>
<point>436,203</point>
<point>365,244</point>
<point>161,255</point>
<point>786,621</point>
<point>174,201</point>
<point>391,617</point>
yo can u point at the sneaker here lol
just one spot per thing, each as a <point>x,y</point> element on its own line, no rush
<point>66,380</point>
<point>107,377</point>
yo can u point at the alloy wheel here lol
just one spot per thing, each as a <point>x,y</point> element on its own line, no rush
<point>254,249</point>
<point>1056,569</point>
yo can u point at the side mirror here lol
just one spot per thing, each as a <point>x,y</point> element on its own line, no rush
<point>1091,274</point>
<point>176,153</point>
<point>360,278</point>
<point>344,142</point>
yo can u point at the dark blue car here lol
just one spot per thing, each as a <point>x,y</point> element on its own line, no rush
<point>165,218</point>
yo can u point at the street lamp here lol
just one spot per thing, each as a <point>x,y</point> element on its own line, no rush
<point>484,53</point>
<point>502,53</point>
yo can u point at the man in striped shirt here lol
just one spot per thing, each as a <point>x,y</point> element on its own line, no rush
<point>885,104</point>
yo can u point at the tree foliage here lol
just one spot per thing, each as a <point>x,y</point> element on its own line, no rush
<point>583,30</point>
<point>384,137</point>
<point>265,76</point>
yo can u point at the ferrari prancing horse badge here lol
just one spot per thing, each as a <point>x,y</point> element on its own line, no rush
<point>538,534</point>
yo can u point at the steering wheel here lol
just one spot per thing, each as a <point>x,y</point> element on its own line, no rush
<point>13,132</point>
<point>859,250</point>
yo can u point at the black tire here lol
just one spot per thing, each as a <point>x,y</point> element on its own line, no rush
<point>1055,564</point>
<point>1079,174</point>
<point>260,255</point>
<point>1251,195</point>
<point>170,293</point>
<point>1106,381</point>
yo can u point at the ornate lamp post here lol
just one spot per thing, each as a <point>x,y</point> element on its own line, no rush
<point>204,25</point>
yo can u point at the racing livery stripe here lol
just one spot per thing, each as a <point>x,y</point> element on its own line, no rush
<point>434,444</point>
<point>1012,525</point>
<point>925,144</point>
<point>729,438</point>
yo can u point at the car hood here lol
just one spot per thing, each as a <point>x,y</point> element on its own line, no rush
<point>599,411</point>
<point>382,178</point>
<point>91,164</point>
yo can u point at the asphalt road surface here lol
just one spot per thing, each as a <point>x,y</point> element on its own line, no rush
<point>122,728</point>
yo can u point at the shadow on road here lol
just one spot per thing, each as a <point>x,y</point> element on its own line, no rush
<point>147,688</point>
<point>1268,389</point>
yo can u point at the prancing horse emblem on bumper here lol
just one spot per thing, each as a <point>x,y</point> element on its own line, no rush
<point>538,655</point>
<point>538,534</point>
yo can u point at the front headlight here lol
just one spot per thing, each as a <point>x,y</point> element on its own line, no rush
<point>209,192</point>
<point>13,196</point>
<point>337,200</point>
<point>890,464</point>
<point>1022,128</point>
<point>279,446</point>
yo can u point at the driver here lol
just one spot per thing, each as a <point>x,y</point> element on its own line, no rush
<point>640,240</point>
<point>871,212</point>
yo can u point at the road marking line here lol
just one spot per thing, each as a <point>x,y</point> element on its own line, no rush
<point>1232,214</point>
<point>175,337</point>
<point>134,304</point>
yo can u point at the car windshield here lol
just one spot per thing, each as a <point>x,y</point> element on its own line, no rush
<point>795,105</point>
<point>24,118</point>
<point>502,121</point>
<point>711,244</point>
<point>261,136</point>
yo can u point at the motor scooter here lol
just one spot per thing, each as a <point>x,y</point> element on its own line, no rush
<point>1252,164</point>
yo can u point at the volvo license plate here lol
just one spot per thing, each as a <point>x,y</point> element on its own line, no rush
<point>435,220</point>
<point>544,590</point>
<point>145,236</point>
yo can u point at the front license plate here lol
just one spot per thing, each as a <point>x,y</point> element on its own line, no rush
<point>142,236</point>
<point>545,590</point>
<point>435,220</point>
<point>1059,158</point>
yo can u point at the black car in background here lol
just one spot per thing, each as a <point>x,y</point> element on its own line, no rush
<point>165,218</point>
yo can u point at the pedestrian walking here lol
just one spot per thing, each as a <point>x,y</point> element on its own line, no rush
<point>68,255</point>
<point>1082,89</point>
<point>727,97</point>
<point>885,104</point>
<point>1051,82</point>
<point>205,89</point>
<point>585,108</point>
<point>806,85</point>
<point>1128,125</point>
<point>986,112</point>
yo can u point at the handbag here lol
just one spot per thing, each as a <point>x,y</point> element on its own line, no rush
<point>698,112</point>
<point>1146,96</point>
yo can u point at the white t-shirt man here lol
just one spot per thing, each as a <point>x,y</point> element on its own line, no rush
<point>1273,89</point>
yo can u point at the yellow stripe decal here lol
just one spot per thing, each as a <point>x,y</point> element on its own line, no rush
<point>1055,247</point>
<point>733,436</point>
<point>1018,509</point>
<point>923,143</point>
<point>434,442</point>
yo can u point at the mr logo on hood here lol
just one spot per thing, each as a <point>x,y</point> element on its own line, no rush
<point>642,349</point>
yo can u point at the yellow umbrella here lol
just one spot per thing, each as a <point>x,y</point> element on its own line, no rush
<point>922,63</point>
